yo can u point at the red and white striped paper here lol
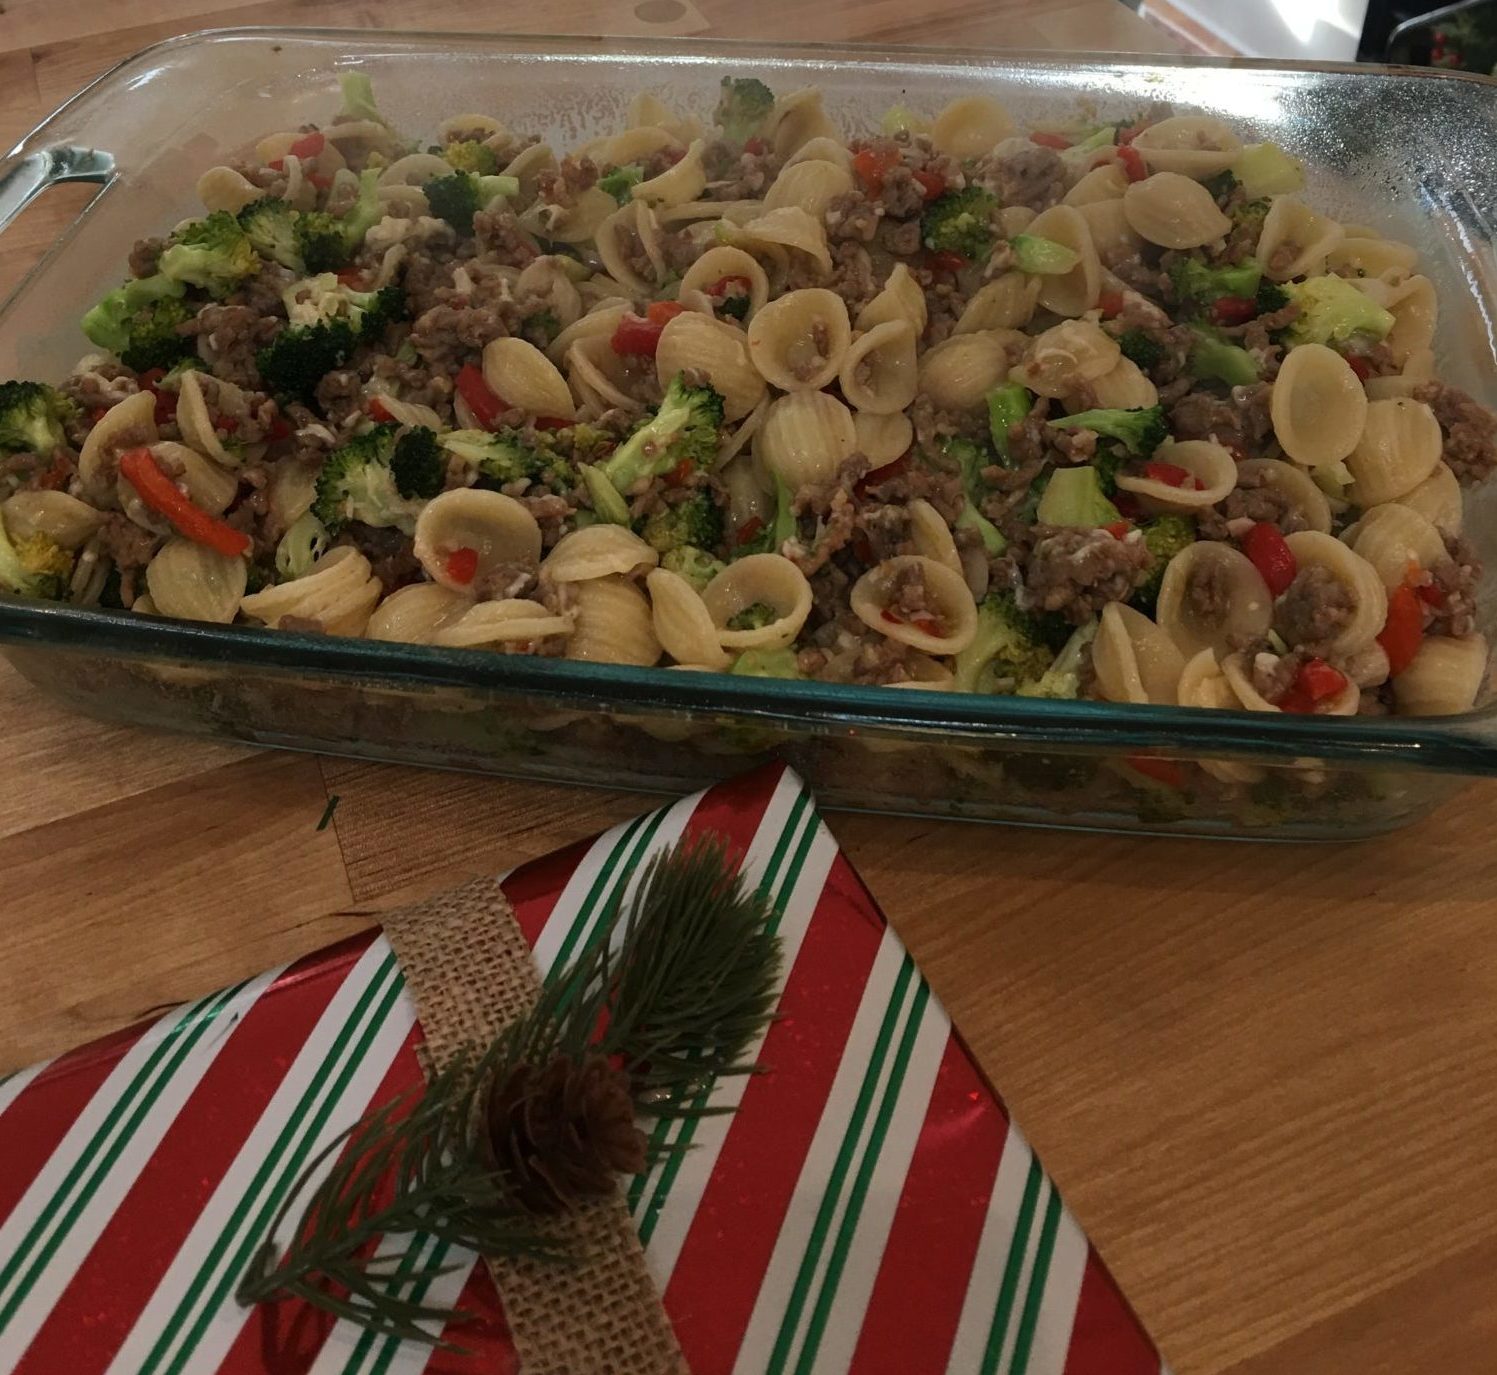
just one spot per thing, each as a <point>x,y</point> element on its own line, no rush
<point>869,1208</point>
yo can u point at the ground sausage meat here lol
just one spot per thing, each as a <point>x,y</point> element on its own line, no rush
<point>1452,608</point>
<point>1031,176</point>
<point>229,337</point>
<point>1470,430</point>
<point>1077,572</point>
<point>1317,607</point>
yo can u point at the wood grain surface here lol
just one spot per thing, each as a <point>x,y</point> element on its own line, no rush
<point>1264,1077</point>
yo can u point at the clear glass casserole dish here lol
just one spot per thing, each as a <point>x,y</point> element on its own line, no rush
<point>1405,150</point>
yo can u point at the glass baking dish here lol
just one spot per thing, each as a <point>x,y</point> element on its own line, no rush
<point>1407,151</point>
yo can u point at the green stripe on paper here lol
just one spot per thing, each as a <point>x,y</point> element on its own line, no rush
<point>403,1272</point>
<point>871,1153</point>
<point>1030,1317</point>
<point>574,932</point>
<point>688,1125</point>
<point>1009,1288</point>
<point>101,1154</point>
<point>854,1130</point>
<point>385,986</point>
<point>423,1284</point>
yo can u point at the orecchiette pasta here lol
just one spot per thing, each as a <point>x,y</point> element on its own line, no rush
<point>1446,677</point>
<point>190,582</point>
<point>682,622</point>
<point>337,596</point>
<point>970,126</point>
<point>678,184</point>
<point>1398,448</point>
<point>467,538</point>
<point>811,185</point>
<point>514,621</point>
<point>901,299</point>
<point>1065,356</point>
<point>878,372</point>
<point>613,623</point>
<point>527,379</point>
<point>1437,499</point>
<point>946,620</point>
<point>1318,406</point>
<point>599,551</point>
<point>414,614</point>
<point>958,373</point>
<point>799,341</point>
<point>1007,302</point>
<point>1134,659</point>
<point>1305,504</point>
<point>806,437</point>
<point>882,439</point>
<point>1295,241</point>
<point>1173,211</point>
<point>726,264</point>
<point>758,580</point>
<point>1074,292</point>
<point>1212,596</point>
<point>1366,599</point>
<point>63,519</point>
<point>1190,144</point>
<point>1212,473</point>
<point>719,351</point>
<point>1395,541</point>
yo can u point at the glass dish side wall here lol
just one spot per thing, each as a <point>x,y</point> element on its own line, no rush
<point>1418,170</point>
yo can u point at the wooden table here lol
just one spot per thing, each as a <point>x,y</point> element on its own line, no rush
<point>1265,1077</point>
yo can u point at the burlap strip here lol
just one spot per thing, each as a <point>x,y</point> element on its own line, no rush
<point>471,973</point>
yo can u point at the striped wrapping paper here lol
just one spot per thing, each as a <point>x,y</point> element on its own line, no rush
<point>869,1208</point>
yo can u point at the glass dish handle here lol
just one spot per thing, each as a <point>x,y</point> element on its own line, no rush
<point>24,174</point>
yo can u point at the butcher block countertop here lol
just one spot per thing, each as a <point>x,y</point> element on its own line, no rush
<point>1264,1077</point>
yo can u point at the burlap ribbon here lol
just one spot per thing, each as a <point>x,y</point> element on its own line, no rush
<point>471,973</point>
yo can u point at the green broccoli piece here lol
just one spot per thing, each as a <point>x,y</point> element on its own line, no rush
<point>754,617</point>
<point>1007,406</point>
<point>358,97</point>
<point>775,531</point>
<point>743,108</point>
<point>1062,680</point>
<point>1074,497</point>
<point>960,222</point>
<point>1140,349</point>
<point>971,458</point>
<point>326,243</point>
<point>300,547</point>
<point>299,357</point>
<point>1265,169</point>
<point>540,328</point>
<point>696,521</point>
<point>766,663</point>
<point>381,477</point>
<point>1106,465</point>
<point>138,323</point>
<point>1213,359</point>
<point>510,455</point>
<point>608,506</point>
<point>735,305</point>
<point>618,180</point>
<point>1333,311</point>
<point>270,224</point>
<point>323,299</point>
<point>684,429</point>
<point>1139,431</point>
<point>1197,284</point>
<point>35,566</point>
<point>469,155</point>
<point>32,416</point>
<point>1164,537</point>
<point>1042,257</point>
<point>213,253</point>
<point>1270,297</point>
<point>457,198</point>
<point>1008,649</point>
<point>697,566</point>
<point>1221,185</point>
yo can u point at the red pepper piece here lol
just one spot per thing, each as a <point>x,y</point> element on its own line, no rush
<point>1118,529</point>
<point>308,145</point>
<point>1359,365</point>
<point>1319,681</point>
<point>932,184</point>
<point>1133,163</point>
<point>1233,310</point>
<point>872,166</point>
<point>748,529</point>
<point>140,469</point>
<point>946,261</point>
<point>1271,555</point>
<point>378,409</point>
<point>461,565</point>
<point>1046,140</point>
<point>1403,631</point>
<point>485,403</point>
<point>1165,771</point>
<point>1111,304</point>
<point>1171,474</point>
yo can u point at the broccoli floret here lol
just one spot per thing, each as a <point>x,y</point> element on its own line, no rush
<point>742,108</point>
<point>1333,311</point>
<point>766,663</point>
<point>618,180</point>
<point>1140,349</point>
<point>540,328</point>
<point>300,356</point>
<point>270,224</point>
<point>1196,283</point>
<point>1042,257</point>
<point>684,429</point>
<point>971,458</point>
<point>381,477</point>
<point>138,323</point>
<point>1213,359</point>
<point>1164,537</point>
<point>1106,464</point>
<point>516,455</point>
<point>1074,497</point>
<point>778,529</point>
<point>326,243</point>
<point>358,97</point>
<point>1007,406</point>
<point>323,299</point>
<point>213,253</point>
<point>1007,650</point>
<point>35,566</point>
<point>609,508</point>
<point>697,566</point>
<point>754,617</point>
<point>1221,185</point>
<point>1063,678</point>
<point>300,547</point>
<point>469,155</point>
<point>32,416</point>
<point>696,521</point>
<point>1265,169</point>
<point>960,222</point>
<point>1140,431</point>
<point>1270,297</point>
<point>457,198</point>
<point>735,305</point>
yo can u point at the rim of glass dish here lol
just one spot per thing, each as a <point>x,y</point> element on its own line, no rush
<point>1457,744</point>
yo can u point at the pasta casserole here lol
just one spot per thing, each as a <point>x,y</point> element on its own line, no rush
<point>1105,410</point>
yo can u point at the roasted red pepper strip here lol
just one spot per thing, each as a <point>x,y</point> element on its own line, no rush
<point>1319,681</point>
<point>140,469</point>
<point>633,335</point>
<point>378,409</point>
<point>872,165</point>
<point>946,261</point>
<point>1165,771</point>
<point>1118,529</point>
<point>1233,310</point>
<point>1403,631</point>
<point>1050,140</point>
<point>932,184</point>
<point>308,145</point>
<point>1171,474</point>
<point>925,623</point>
<point>748,529</point>
<point>736,285</point>
<point>1133,163</point>
<point>1110,303</point>
<point>485,403</point>
<point>1360,366</point>
<point>462,565</point>
<point>1271,555</point>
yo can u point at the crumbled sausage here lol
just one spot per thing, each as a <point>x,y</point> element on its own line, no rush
<point>1470,430</point>
<point>1077,572</point>
<point>1314,610</point>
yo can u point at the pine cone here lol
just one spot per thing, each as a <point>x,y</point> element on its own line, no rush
<point>564,1132</point>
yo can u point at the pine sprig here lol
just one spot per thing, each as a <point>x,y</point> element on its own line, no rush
<point>688,990</point>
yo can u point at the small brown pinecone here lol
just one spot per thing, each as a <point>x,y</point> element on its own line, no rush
<point>562,1133</point>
